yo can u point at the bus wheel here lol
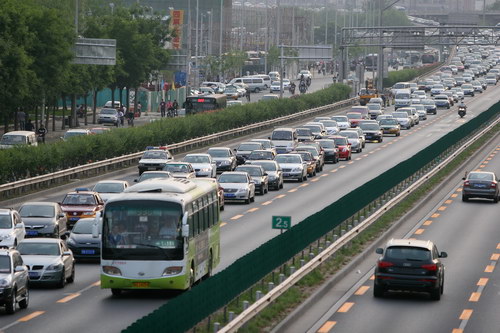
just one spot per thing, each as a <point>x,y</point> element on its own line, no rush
<point>210,265</point>
<point>116,292</point>
<point>191,277</point>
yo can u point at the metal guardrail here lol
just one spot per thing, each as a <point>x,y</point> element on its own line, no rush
<point>278,290</point>
<point>24,186</point>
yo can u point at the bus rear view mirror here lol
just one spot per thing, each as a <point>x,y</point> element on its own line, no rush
<point>185,230</point>
<point>95,230</point>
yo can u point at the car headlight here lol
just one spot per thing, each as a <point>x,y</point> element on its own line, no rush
<point>4,283</point>
<point>5,236</point>
<point>205,170</point>
<point>55,267</point>
<point>224,162</point>
<point>297,169</point>
<point>111,270</point>
<point>72,242</point>
<point>88,213</point>
<point>241,190</point>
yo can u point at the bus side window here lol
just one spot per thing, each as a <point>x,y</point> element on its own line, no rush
<point>206,218</point>
<point>195,218</point>
<point>190,220</point>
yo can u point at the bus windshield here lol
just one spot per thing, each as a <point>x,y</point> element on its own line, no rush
<point>142,230</point>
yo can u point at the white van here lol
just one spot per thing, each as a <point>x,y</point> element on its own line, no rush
<point>266,78</point>
<point>14,138</point>
<point>284,139</point>
<point>402,98</point>
<point>399,86</point>
<point>256,84</point>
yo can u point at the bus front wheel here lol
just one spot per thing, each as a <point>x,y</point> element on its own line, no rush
<point>116,292</point>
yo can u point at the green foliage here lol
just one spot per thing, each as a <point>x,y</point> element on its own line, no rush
<point>407,74</point>
<point>23,162</point>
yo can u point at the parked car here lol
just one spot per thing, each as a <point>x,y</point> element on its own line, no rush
<point>409,265</point>
<point>49,261</point>
<point>108,116</point>
<point>203,164</point>
<point>12,229</point>
<point>81,241</point>
<point>72,133</point>
<point>14,281</point>
<point>45,219</point>
<point>480,184</point>
<point>237,186</point>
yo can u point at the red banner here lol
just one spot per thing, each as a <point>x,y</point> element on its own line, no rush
<point>176,22</point>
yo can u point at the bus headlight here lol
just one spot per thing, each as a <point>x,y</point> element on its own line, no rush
<point>111,270</point>
<point>172,270</point>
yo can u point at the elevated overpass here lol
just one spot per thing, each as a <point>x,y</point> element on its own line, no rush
<point>458,18</point>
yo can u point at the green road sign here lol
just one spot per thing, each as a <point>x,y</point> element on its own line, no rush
<point>282,222</point>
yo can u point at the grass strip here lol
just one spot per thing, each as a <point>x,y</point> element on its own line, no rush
<point>294,296</point>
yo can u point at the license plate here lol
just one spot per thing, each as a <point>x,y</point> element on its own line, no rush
<point>141,284</point>
<point>31,233</point>
<point>480,186</point>
<point>88,251</point>
<point>285,174</point>
<point>33,274</point>
<point>229,195</point>
<point>74,218</point>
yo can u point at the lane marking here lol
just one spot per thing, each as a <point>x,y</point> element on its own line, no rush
<point>334,170</point>
<point>365,155</point>
<point>280,196</point>
<point>442,208</point>
<point>223,224</point>
<point>482,166</point>
<point>68,298</point>
<point>236,217</point>
<point>428,222</point>
<point>498,246</point>
<point>96,284</point>
<point>267,203</point>
<point>327,327</point>
<point>466,314</point>
<point>489,269</point>
<point>342,166</point>
<point>419,231</point>
<point>372,277</point>
<point>495,256</point>
<point>448,202</point>
<point>346,307</point>
<point>435,215</point>
<point>474,297</point>
<point>304,185</point>
<point>371,152</point>
<point>482,281</point>
<point>31,316</point>
<point>351,162</point>
<point>485,162</point>
<point>362,290</point>
<point>324,175</point>
<point>315,179</point>
<point>358,159</point>
<point>293,190</point>
<point>251,210</point>
<point>454,195</point>
<point>459,189</point>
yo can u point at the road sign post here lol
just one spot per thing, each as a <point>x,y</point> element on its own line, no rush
<point>282,222</point>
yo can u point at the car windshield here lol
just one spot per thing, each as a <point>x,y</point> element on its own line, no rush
<point>306,156</point>
<point>327,144</point>
<point>151,175</point>
<point>340,141</point>
<point>176,168</point>
<point>354,116</point>
<point>288,159</point>
<point>250,170</point>
<point>388,122</point>
<point>402,96</point>
<point>108,111</point>
<point>268,166</point>
<point>4,264</point>
<point>313,128</point>
<point>40,249</point>
<point>373,106</point>
<point>261,155</point>
<point>408,253</point>
<point>340,118</point>
<point>480,176</point>
<point>155,155</point>
<point>232,178</point>
<point>68,135</point>
<point>351,135</point>
<point>427,102</point>
<point>5,222</point>
<point>79,199</point>
<point>369,127</point>
<point>250,146</point>
<point>266,144</point>
<point>329,123</point>
<point>109,187</point>
<point>218,152</point>
<point>85,227</point>
<point>282,135</point>
<point>197,159</point>
<point>441,97</point>
<point>304,131</point>
<point>37,211</point>
<point>400,115</point>
<point>13,139</point>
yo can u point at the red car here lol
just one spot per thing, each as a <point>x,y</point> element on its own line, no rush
<point>355,118</point>
<point>81,203</point>
<point>343,145</point>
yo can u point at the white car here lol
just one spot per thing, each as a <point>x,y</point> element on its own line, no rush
<point>75,132</point>
<point>12,229</point>
<point>342,121</point>
<point>237,186</point>
<point>354,140</point>
<point>154,158</point>
<point>275,86</point>
<point>437,89</point>
<point>293,166</point>
<point>331,127</point>
<point>403,119</point>
<point>110,188</point>
<point>203,164</point>
<point>305,73</point>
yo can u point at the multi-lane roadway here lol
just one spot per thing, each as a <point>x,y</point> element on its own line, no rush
<point>84,307</point>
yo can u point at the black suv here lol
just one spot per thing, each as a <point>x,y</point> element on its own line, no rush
<point>412,265</point>
<point>13,281</point>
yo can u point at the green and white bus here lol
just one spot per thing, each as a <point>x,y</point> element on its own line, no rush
<point>160,234</point>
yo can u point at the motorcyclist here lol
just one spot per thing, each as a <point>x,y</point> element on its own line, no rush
<point>292,88</point>
<point>462,105</point>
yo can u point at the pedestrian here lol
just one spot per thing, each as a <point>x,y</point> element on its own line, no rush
<point>163,106</point>
<point>29,126</point>
<point>21,118</point>
<point>169,108</point>
<point>139,108</point>
<point>383,99</point>
<point>247,94</point>
<point>121,116</point>
<point>130,118</point>
<point>175,106</point>
<point>42,131</point>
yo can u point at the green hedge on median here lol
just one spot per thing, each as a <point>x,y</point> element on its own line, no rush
<point>18,163</point>
<point>407,74</point>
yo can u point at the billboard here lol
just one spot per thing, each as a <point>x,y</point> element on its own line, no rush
<point>176,22</point>
<point>95,51</point>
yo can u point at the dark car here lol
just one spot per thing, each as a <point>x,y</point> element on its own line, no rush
<point>258,175</point>
<point>330,149</point>
<point>245,149</point>
<point>43,219</point>
<point>372,132</point>
<point>81,242</point>
<point>304,134</point>
<point>480,184</point>
<point>429,106</point>
<point>319,155</point>
<point>409,265</point>
<point>442,101</point>
<point>14,287</point>
<point>224,158</point>
<point>274,173</point>
<point>259,155</point>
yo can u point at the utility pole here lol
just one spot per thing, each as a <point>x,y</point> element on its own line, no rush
<point>197,73</point>
<point>326,23</point>
<point>266,41</point>
<point>380,57</point>
<point>220,37</point>
<point>278,22</point>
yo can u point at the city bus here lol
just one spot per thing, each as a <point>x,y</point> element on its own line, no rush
<point>204,103</point>
<point>160,234</point>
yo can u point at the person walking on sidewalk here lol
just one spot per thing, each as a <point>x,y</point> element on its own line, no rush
<point>121,116</point>
<point>175,106</point>
<point>139,109</point>
<point>42,131</point>
<point>163,106</point>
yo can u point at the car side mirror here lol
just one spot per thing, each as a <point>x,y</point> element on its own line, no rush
<point>136,180</point>
<point>20,225</point>
<point>379,250</point>
<point>95,230</point>
<point>269,138</point>
<point>20,269</point>
<point>265,174</point>
<point>66,253</point>
<point>443,255</point>
<point>64,236</point>
<point>61,215</point>
<point>463,178</point>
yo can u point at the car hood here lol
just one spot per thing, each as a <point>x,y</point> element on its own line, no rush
<point>153,160</point>
<point>353,141</point>
<point>182,175</point>
<point>221,159</point>
<point>81,208</point>
<point>38,220</point>
<point>234,185</point>
<point>243,152</point>
<point>201,165</point>
<point>389,126</point>
<point>371,131</point>
<point>85,238</point>
<point>290,165</point>
<point>31,260</point>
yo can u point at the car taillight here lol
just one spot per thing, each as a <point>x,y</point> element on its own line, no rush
<point>431,267</point>
<point>493,185</point>
<point>385,264</point>
<point>466,183</point>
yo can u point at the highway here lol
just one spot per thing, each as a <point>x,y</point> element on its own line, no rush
<point>84,307</point>
<point>468,232</point>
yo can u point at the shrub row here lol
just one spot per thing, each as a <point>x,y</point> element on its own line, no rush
<point>408,74</point>
<point>18,163</point>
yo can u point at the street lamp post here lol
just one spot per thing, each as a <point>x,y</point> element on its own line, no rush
<point>326,23</point>
<point>196,43</point>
